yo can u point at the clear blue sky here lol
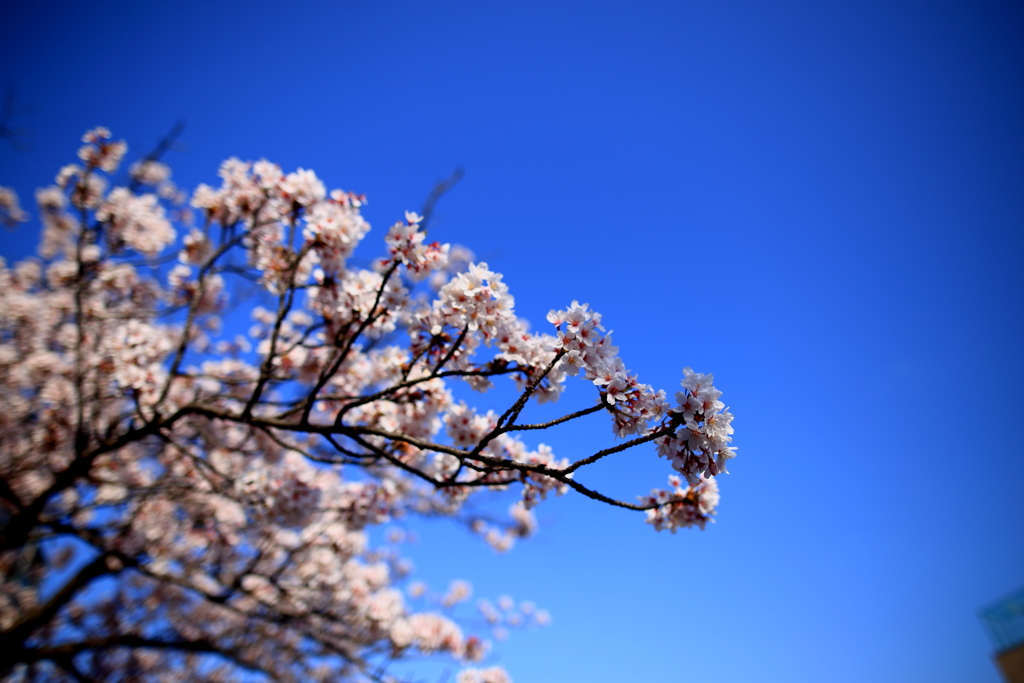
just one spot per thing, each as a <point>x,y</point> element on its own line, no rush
<point>821,203</point>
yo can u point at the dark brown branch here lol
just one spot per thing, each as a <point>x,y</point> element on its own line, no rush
<point>165,145</point>
<point>451,352</point>
<point>512,413</point>
<point>664,431</point>
<point>33,619</point>
<point>65,651</point>
<point>557,421</point>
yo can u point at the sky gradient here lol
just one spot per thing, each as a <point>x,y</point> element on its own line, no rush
<point>820,203</point>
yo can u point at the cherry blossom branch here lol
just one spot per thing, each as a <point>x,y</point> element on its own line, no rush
<point>370,317</point>
<point>557,421</point>
<point>618,448</point>
<point>64,651</point>
<point>193,309</point>
<point>166,143</point>
<point>354,432</point>
<point>355,401</point>
<point>31,620</point>
<point>439,190</point>
<point>512,413</point>
<point>17,529</point>
<point>206,484</point>
<point>285,301</point>
<point>451,352</point>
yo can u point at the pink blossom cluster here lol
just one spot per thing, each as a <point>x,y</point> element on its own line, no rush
<point>100,152</point>
<point>405,245</point>
<point>248,192</point>
<point>137,222</point>
<point>59,225</point>
<point>494,674</point>
<point>334,229</point>
<point>150,172</point>
<point>505,613</point>
<point>11,212</point>
<point>503,537</point>
<point>85,186</point>
<point>634,406</point>
<point>701,445</point>
<point>682,507</point>
<point>474,309</point>
<point>133,352</point>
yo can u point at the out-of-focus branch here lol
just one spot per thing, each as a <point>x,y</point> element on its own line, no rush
<point>31,620</point>
<point>439,190</point>
<point>167,143</point>
<point>15,134</point>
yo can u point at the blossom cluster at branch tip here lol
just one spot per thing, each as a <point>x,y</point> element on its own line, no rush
<point>682,507</point>
<point>405,245</point>
<point>11,212</point>
<point>100,152</point>
<point>700,446</point>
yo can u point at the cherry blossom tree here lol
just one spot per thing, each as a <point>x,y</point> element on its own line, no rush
<point>179,501</point>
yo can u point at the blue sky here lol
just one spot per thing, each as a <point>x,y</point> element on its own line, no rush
<point>821,203</point>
